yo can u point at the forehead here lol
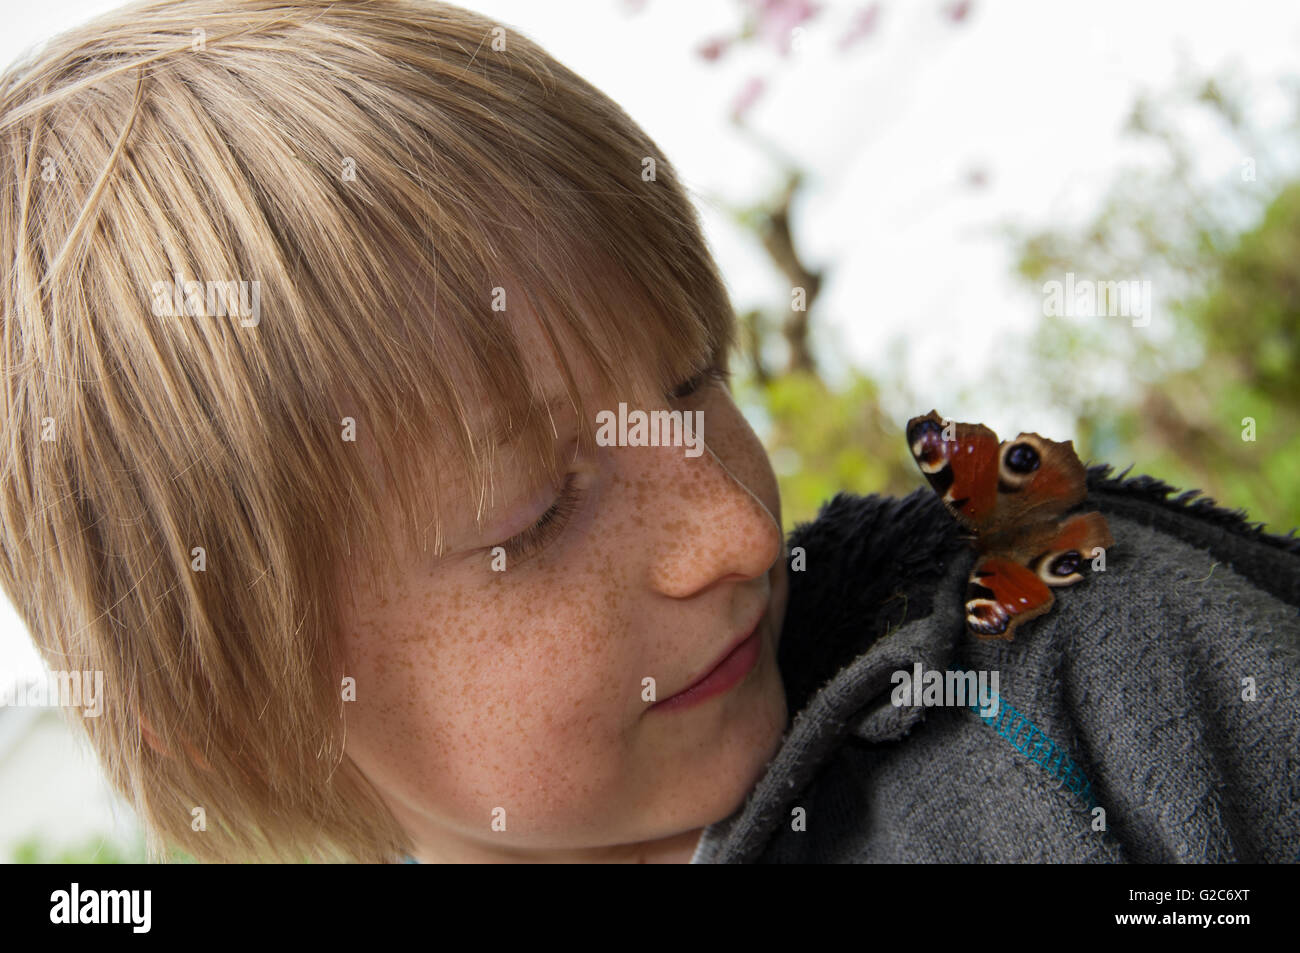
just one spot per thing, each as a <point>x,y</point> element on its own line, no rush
<point>545,377</point>
<point>510,467</point>
<point>509,410</point>
<point>544,385</point>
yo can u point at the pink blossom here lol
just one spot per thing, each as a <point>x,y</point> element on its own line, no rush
<point>748,96</point>
<point>958,11</point>
<point>778,18</point>
<point>863,25</point>
<point>714,48</point>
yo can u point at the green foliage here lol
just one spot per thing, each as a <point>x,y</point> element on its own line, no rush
<point>824,441</point>
<point>94,850</point>
<point>1252,312</point>
<point>1227,258</point>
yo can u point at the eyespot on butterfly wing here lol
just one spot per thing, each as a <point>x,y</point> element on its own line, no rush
<point>990,486</point>
<point>1012,496</point>
<point>1000,595</point>
<point>959,461</point>
<point>1013,584</point>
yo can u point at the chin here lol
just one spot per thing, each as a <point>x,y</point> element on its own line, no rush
<point>748,749</point>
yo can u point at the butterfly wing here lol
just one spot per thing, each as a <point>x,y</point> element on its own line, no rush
<point>1002,594</point>
<point>1008,588</point>
<point>991,487</point>
<point>962,470</point>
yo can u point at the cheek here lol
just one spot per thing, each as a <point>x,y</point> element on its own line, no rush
<point>468,702</point>
<point>736,445</point>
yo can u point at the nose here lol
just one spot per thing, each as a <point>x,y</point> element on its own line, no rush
<point>707,525</point>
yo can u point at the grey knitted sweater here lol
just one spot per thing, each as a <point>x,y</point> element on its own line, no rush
<point>1152,716</point>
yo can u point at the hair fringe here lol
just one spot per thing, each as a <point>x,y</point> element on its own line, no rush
<point>221,162</point>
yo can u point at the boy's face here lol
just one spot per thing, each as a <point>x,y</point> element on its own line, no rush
<point>501,713</point>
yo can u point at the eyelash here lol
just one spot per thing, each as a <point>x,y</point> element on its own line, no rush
<point>553,521</point>
<point>548,526</point>
<point>712,372</point>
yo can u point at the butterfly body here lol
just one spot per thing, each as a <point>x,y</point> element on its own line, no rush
<point>1012,496</point>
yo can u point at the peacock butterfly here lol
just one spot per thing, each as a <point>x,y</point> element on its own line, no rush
<point>1012,496</point>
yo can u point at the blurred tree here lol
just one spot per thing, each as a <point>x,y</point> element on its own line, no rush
<point>1213,402</point>
<point>821,439</point>
<point>1177,402</point>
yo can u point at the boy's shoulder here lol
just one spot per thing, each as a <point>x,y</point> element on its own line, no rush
<point>1268,560</point>
<point>1163,689</point>
<point>868,564</point>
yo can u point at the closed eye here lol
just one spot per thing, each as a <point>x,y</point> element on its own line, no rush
<point>694,383</point>
<point>548,526</point>
<point>551,523</point>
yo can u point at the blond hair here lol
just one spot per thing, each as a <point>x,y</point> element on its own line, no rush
<point>344,155</point>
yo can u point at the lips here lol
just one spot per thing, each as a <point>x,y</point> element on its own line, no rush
<point>725,672</point>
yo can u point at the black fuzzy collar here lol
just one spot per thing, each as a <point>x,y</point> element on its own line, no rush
<point>871,562</point>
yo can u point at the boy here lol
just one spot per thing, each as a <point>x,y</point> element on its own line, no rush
<point>311,312</point>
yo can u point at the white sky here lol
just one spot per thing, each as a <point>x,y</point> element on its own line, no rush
<point>1035,91</point>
